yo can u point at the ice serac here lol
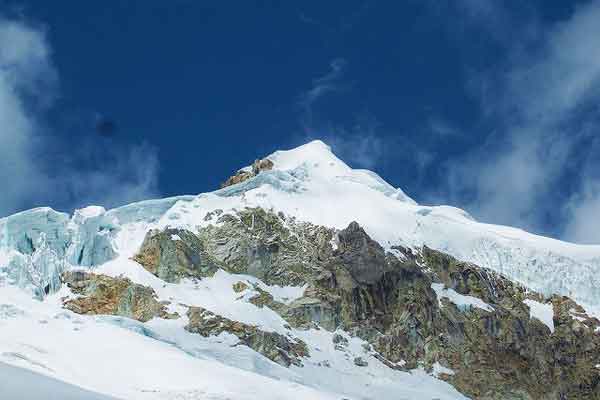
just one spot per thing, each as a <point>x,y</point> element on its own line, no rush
<point>38,245</point>
<point>146,211</point>
<point>22,231</point>
<point>92,234</point>
<point>33,247</point>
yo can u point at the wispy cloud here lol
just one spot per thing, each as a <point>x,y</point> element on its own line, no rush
<point>583,211</point>
<point>28,86</point>
<point>538,101</point>
<point>330,82</point>
<point>442,128</point>
<point>359,138</point>
<point>360,145</point>
<point>25,71</point>
<point>583,207</point>
<point>356,139</point>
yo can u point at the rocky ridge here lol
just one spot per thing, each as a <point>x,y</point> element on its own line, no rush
<point>496,350</point>
<point>242,175</point>
<point>281,349</point>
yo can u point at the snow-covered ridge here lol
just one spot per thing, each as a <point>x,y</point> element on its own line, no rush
<point>312,184</point>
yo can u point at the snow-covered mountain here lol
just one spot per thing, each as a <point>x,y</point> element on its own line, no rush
<point>61,328</point>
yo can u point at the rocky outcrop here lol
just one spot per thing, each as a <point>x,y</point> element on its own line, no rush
<point>242,175</point>
<point>101,294</point>
<point>269,246</point>
<point>506,353</point>
<point>281,349</point>
<point>416,308</point>
<point>479,327</point>
<point>362,256</point>
<point>173,254</point>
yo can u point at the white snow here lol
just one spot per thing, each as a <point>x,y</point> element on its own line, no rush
<point>542,312</point>
<point>439,369</point>
<point>160,360</point>
<point>175,237</point>
<point>90,212</point>
<point>462,301</point>
<point>23,384</point>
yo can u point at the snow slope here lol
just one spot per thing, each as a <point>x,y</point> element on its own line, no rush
<point>159,360</point>
<point>15,380</point>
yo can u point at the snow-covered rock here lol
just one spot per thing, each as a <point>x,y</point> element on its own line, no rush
<point>461,301</point>
<point>542,312</point>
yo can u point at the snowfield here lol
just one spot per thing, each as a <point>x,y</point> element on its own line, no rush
<point>126,359</point>
<point>24,384</point>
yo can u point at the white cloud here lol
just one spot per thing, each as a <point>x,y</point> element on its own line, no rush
<point>364,150</point>
<point>123,175</point>
<point>23,67</point>
<point>442,128</point>
<point>28,84</point>
<point>583,211</point>
<point>538,100</point>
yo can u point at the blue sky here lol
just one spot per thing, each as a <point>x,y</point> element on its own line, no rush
<point>486,105</point>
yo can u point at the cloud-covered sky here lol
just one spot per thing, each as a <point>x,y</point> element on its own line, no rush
<point>489,106</point>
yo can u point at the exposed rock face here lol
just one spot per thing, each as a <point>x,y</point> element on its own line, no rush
<point>173,254</point>
<point>259,243</point>
<point>262,165</point>
<point>416,309</point>
<point>505,353</point>
<point>257,167</point>
<point>100,294</point>
<point>496,350</point>
<point>363,257</point>
<point>239,177</point>
<point>276,347</point>
<point>240,286</point>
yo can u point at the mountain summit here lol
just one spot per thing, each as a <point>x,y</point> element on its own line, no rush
<point>299,278</point>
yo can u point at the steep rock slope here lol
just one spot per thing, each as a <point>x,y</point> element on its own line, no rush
<point>414,309</point>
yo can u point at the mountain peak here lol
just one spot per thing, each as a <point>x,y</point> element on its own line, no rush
<point>312,154</point>
<point>264,259</point>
